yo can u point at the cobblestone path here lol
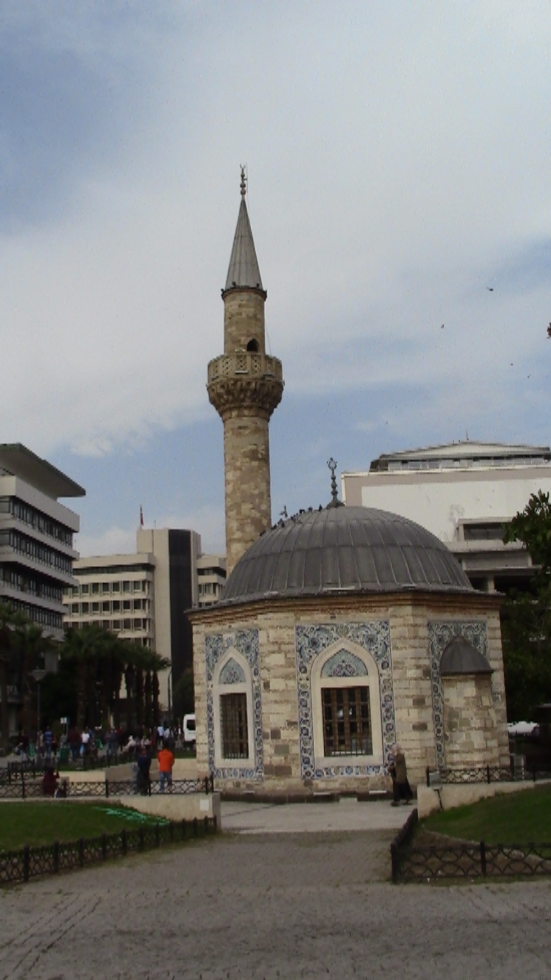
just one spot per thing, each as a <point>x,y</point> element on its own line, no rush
<point>279,906</point>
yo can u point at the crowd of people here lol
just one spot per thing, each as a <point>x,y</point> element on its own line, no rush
<point>95,743</point>
<point>114,745</point>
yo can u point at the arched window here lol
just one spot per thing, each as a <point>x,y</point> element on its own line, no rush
<point>346,706</point>
<point>232,703</point>
<point>253,346</point>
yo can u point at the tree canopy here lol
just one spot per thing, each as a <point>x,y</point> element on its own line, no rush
<point>526,617</point>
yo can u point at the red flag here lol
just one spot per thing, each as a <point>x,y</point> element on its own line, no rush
<point>141,516</point>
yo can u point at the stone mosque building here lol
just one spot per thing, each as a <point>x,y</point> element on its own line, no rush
<point>341,630</point>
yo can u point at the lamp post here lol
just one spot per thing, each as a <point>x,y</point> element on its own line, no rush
<point>38,674</point>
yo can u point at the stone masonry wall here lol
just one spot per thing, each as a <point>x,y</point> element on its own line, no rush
<point>469,722</point>
<point>243,320</point>
<point>411,681</point>
<point>247,483</point>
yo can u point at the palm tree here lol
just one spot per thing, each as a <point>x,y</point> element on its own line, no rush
<point>83,649</point>
<point>31,644</point>
<point>11,621</point>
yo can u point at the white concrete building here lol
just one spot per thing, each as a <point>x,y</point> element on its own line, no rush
<point>144,597</point>
<point>36,536</point>
<point>464,493</point>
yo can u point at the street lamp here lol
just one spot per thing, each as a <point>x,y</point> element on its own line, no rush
<point>38,674</point>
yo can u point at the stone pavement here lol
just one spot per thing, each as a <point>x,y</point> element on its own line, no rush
<point>348,814</point>
<point>272,905</point>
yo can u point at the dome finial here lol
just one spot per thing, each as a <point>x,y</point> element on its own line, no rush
<point>243,182</point>
<point>335,502</point>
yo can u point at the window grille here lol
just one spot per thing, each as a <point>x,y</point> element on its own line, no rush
<point>235,735</point>
<point>346,721</point>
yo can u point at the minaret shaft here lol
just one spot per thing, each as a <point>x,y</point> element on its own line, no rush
<point>247,482</point>
<point>245,385</point>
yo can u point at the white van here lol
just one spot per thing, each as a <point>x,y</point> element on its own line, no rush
<point>188,731</point>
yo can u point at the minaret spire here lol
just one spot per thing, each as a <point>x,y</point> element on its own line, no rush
<point>245,385</point>
<point>243,269</point>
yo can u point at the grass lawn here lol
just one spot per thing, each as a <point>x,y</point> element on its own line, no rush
<point>43,823</point>
<point>516,818</point>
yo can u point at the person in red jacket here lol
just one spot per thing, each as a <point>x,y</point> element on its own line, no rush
<point>166,762</point>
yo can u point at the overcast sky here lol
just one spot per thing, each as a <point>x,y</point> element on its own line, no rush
<point>399,162</point>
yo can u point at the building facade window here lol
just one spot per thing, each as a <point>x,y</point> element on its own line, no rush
<point>346,721</point>
<point>233,712</point>
<point>346,705</point>
<point>235,735</point>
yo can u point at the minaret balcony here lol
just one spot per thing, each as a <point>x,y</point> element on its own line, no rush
<point>244,363</point>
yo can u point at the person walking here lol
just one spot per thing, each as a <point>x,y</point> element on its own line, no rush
<point>166,762</point>
<point>400,783</point>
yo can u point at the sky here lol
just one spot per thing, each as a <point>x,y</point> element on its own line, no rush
<point>398,158</point>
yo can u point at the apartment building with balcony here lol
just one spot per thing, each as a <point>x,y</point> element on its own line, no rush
<point>36,536</point>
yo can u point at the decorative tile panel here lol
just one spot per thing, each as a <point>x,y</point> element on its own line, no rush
<point>216,646</point>
<point>440,634</point>
<point>310,642</point>
<point>344,664</point>
<point>232,673</point>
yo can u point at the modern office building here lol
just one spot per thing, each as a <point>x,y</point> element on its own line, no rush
<point>144,597</point>
<point>211,579</point>
<point>36,536</point>
<point>36,547</point>
<point>464,492</point>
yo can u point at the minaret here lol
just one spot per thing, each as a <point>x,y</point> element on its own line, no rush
<point>245,385</point>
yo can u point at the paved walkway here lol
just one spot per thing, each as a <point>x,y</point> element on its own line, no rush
<point>267,904</point>
<point>347,815</point>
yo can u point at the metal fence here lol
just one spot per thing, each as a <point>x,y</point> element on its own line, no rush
<point>437,862</point>
<point>484,774</point>
<point>31,862</point>
<point>26,786</point>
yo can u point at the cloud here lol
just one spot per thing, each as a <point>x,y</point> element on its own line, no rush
<point>398,159</point>
<point>208,521</point>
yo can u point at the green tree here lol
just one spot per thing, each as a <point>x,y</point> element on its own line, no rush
<point>532,526</point>
<point>526,618</point>
<point>101,662</point>
<point>31,644</point>
<point>11,622</point>
<point>184,695</point>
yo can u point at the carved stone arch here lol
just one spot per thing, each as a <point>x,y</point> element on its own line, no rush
<point>351,652</point>
<point>233,678</point>
<point>232,668</point>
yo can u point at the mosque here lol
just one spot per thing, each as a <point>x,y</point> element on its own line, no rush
<point>341,630</point>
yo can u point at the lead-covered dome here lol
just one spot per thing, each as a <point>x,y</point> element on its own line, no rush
<point>344,549</point>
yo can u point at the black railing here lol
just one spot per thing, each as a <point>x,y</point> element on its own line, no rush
<point>25,786</point>
<point>31,862</point>
<point>484,774</point>
<point>401,844</point>
<point>455,859</point>
<point>78,764</point>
